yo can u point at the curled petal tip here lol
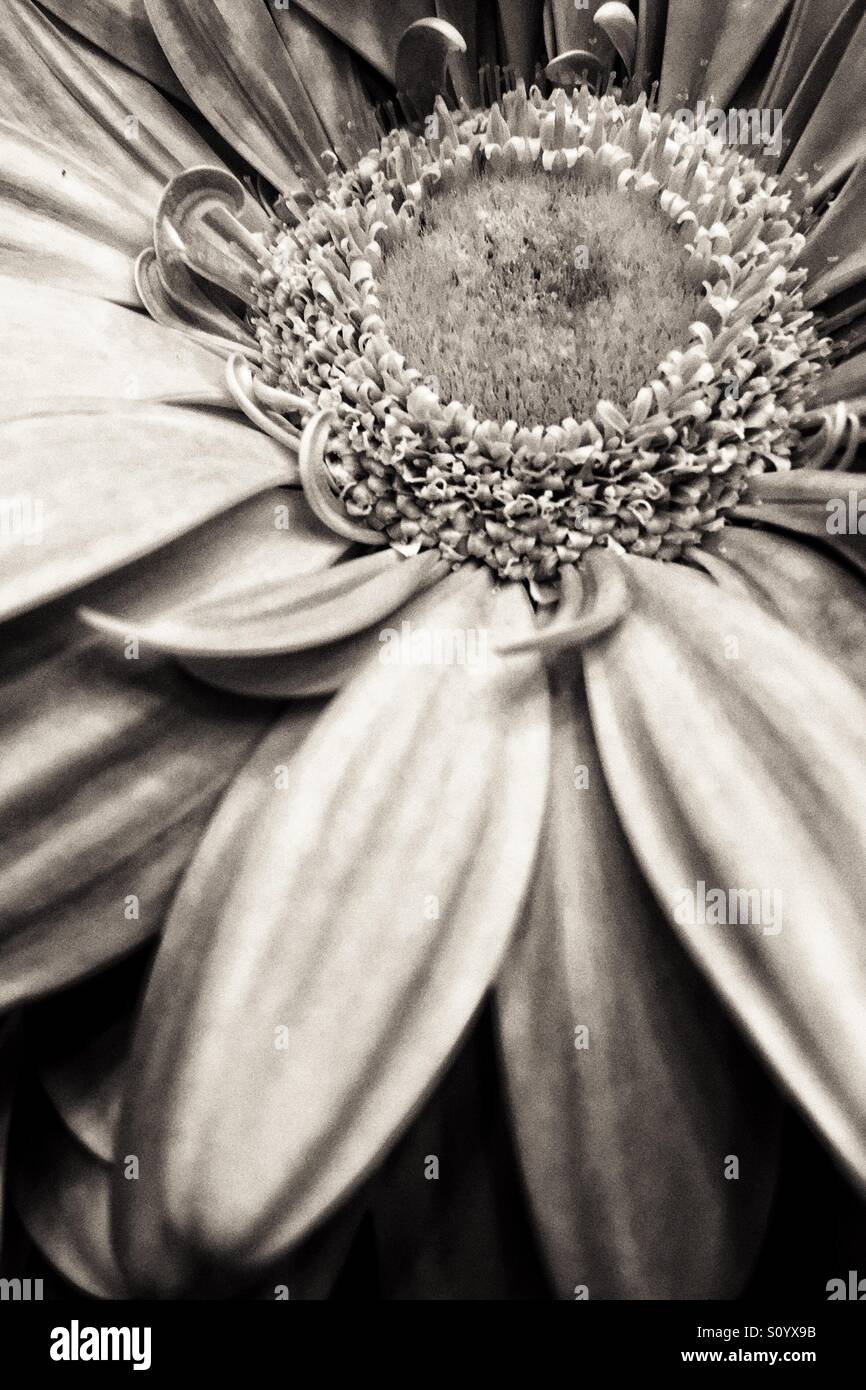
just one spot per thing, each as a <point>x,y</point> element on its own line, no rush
<point>421,65</point>
<point>566,68</point>
<point>618,22</point>
<point>313,472</point>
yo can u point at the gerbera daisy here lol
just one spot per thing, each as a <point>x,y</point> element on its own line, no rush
<point>433,769</point>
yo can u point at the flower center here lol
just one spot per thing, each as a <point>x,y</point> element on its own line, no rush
<point>532,299</point>
<point>562,324</point>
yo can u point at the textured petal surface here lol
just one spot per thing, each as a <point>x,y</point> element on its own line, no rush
<point>629,1089</point>
<point>808,25</point>
<point>379,887</point>
<point>807,501</point>
<point>372,29</point>
<point>726,782</point>
<point>81,508</point>
<point>64,221</point>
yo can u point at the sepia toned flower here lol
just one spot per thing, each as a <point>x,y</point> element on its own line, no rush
<point>431,576</point>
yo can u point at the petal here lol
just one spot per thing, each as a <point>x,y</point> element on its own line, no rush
<point>328,74</point>
<point>448,1205</point>
<point>629,1088</point>
<point>64,235</point>
<point>834,139</point>
<point>575,28</point>
<point>268,611</point>
<point>709,51</point>
<point>70,192</point>
<point>834,255</point>
<point>820,599</point>
<point>809,23</point>
<point>110,771</point>
<point>76,512</point>
<point>374,29</point>
<point>520,25</point>
<point>85,1087</point>
<point>271,540</point>
<point>651,23</point>
<point>825,504</point>
<point>845,381</point>
<point>380,887</point>
<point>230,58</point>
<point>61,1193</point>
<point>60,88</point>
<point>121,28</point>
<point>735,755</point>
<point>61,344</point>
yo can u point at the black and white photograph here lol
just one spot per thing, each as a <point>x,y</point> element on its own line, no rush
<point>432,671</point>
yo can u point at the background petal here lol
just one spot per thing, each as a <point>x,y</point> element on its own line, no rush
<point>629,1088</point>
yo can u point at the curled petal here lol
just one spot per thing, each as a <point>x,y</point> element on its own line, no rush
<point>314,480</point>
<point>421,67</point>
<point>618,22</point>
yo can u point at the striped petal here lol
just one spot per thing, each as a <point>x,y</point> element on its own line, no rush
<point>575,29</point>
<point>318,670</point>
<point>65,194</point>
<point>230,57</point>
<point>121,28</point>
<point>60,88</point>
<point>710,50</point>
<point>834,140</point>
<point>736,757</point>
<point>329,947</point>
<point>110,771</point>
<point>834,254</point>
<point>629,1088</point>
<point>76,512</point>
<point>809,23</point>
<point>820,62</point>
<point>60,344</point>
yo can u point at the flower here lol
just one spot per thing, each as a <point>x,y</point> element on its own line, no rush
<point>364,708</point>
